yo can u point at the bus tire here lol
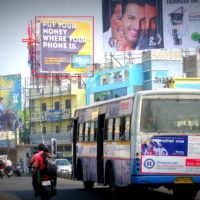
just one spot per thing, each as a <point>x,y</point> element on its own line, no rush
<point>79,171</point>
<point>88,185</point>
<point>183,192</point>
<point>113,189</point>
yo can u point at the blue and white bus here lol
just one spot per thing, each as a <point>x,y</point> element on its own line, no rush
<point>149,139</point>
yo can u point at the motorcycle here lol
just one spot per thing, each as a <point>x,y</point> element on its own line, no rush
<point>45,185</point>
<point>8,171</point>
<point>17,170</point>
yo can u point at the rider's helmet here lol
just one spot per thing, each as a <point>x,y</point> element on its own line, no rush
<point>41,147</point>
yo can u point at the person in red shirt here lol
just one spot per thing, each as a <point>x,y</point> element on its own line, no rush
<point>35,163</point>
<point>53,172</point>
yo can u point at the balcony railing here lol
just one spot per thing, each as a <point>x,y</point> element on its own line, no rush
<point>62,138</point>
<point>50,115</point>
<point>49,91</point>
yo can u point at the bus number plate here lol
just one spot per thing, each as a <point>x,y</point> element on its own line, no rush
<point>183,180</point>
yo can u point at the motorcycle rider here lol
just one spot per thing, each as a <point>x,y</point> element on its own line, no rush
<point>36,162</point>
<point>52,174</point>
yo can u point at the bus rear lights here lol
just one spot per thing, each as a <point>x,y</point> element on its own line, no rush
<point>138,169</point>
<point>137,164</point>
<point>137,154</point>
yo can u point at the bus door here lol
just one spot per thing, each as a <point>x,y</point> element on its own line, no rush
<point>100,161</point>
<point>75,130</point>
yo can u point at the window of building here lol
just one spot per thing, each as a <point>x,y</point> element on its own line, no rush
<point>59,147</point>
<point>32,104</point>
<point>101,96</point>
<point>57,105</point>
<point>126,75</point>
<point>68,128</point>
<point>117,77</point>
<point>111,94</point>
<point>105,79</point>
<point>67,148</point>
<point>57,129</point>
<point>120,92</point>
<point>147,76</point>
<point>44,130</point>
<point>33,128</point>
<point>68,103</point>
<point>43,107</point>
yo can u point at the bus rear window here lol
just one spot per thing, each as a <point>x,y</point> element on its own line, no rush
<point>170,115</point>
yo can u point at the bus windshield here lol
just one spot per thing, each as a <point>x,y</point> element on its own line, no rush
<point>170,115</point>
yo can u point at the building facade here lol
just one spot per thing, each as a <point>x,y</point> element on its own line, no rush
<point>114,82</point>
<point>52,102</point>
<point>155,69</point>
<point>160,66</point>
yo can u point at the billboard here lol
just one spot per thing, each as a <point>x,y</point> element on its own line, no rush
<point>10,101</point>
<point>150,24</point>
<point>66,45</point>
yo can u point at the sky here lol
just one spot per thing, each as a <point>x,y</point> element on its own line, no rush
<point>15,15</point>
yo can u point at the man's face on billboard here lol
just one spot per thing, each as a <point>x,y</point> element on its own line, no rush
<point>116,24</point>
<point>131,20</point>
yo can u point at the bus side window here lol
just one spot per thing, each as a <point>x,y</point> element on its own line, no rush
<point>87,131</point>
<point>122,128</point>
<point>106,130</point>
<point>127,128</point>
<point>91,132</point>
<point>80,137</point>
<point>116,128</point>
<point>110,129</point>
<point>81,131</point>
<point>95,130</point>
<point>78,133</point>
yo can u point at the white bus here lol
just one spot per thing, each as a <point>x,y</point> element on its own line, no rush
<point>150,139</point>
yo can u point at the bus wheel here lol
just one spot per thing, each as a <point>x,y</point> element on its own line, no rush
<point>184,193</point>
<point>113,189</point>
<point>79,171</point>
<point>88,184</point>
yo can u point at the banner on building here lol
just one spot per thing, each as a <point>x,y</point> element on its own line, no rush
<point>66,45</point>
<point>150,24</point>
<point>10,102</point>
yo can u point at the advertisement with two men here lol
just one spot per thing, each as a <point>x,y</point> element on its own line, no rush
<point>150,24</point>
